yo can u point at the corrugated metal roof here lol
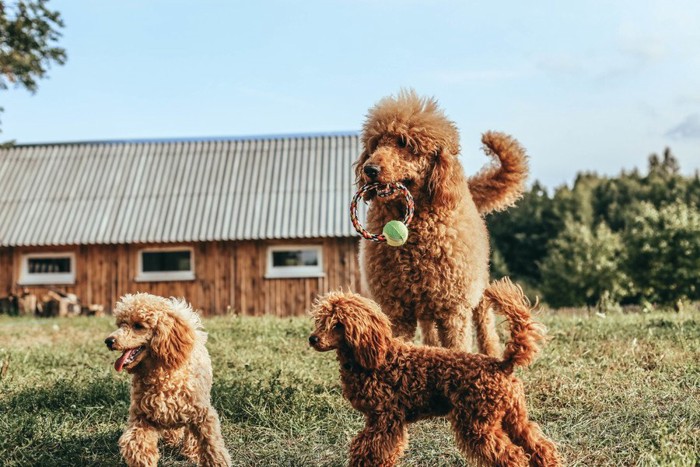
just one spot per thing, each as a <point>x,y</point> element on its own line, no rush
<point>178,190</point>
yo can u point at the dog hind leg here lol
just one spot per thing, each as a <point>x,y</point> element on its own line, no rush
<point>525,433</point>
<point>485,441</point>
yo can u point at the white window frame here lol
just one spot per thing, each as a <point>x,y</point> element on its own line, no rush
<point>285,272</point>
<point>54,278</point>
<point>165,276</point>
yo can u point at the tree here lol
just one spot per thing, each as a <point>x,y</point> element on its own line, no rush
<point>520,234</point>
<point>664,252</point>
<point>29,31</point>
<point>663,184</point>
<point>577,203</point>
<point>499,267</point>
<point>612,198</point>
<point>663,256</point>
<point>583,265</point>
<point>670,163</point>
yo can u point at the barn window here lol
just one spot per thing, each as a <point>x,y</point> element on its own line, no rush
<point>47,269</point>
<point>294,261</point>
<point>167,264</point>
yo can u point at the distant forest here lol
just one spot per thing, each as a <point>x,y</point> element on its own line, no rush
<point>629,239</point>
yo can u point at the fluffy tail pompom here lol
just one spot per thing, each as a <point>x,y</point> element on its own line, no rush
<point>510,300</point>
<point>500,186</point>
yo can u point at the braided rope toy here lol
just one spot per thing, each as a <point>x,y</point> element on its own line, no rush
<point>395,233</point>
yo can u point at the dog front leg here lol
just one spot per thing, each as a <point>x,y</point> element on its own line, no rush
<point>455,331</point>
<point>380,443</point>
<point>429,331</point>
<point>212,449</point>
<point>172,437</point>
<point>403,320</point>
<point>190,447</point>
<point>484,323</point>
<point>139,445</point>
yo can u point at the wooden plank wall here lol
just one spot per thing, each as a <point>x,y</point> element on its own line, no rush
<point>230,276</point>
<point>6,271</point>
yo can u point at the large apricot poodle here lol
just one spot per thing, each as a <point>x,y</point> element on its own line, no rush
<point>438,276</point>
<point>394,383</point>
<point>162,345</point>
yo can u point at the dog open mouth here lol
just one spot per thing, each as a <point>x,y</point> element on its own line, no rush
<point>127,358</point>
<point>385,191</point>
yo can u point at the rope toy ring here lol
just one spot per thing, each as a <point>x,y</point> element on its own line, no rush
<point>395,233</point>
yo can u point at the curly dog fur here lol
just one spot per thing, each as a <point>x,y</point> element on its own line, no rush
<point>439,275</point>
<point>394,383</point>
<point>164,349</point>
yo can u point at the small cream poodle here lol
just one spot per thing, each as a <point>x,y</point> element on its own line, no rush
<point>163,347</point>
<point>394,383</point>
<point>436,278</point>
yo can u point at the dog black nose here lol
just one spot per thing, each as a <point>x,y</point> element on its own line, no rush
<point>110,342</point>
<point>372,171</point>
<point>313,340</point>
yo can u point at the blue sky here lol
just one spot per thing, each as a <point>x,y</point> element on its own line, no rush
<point>594,85</point>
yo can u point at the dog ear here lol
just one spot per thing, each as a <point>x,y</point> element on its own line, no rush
<point>173,340</point>
<point>368,335</point>
<point>446,180</point>
<point>359,166</point>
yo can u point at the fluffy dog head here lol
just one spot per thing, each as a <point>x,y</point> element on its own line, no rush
<point>408,139</point>
<point>350,322</point>
<point>153,329</point>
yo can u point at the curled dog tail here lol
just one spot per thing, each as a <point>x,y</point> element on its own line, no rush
<point>509,300</point>
<point>499,187</point>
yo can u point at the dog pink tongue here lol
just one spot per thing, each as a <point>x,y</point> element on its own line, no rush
<point>119,364</point>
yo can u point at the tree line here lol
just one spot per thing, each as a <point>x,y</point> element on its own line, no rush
<point>629,239</point>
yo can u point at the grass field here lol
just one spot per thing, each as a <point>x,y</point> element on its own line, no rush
<point>621,390</point>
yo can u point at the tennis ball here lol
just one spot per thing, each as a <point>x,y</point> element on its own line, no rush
<point>396,233</point>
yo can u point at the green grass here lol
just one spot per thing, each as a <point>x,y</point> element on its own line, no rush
<point>621,390</point>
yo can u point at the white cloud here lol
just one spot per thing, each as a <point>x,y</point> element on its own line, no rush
<point>687,129</point>
<point>645,50</point>
<point>688,99</point>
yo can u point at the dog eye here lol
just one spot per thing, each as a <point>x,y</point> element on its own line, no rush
<point>338,327</point>
<point>138,326</point>
<point>401,142</point>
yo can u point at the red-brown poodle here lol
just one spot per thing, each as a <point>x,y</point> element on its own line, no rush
<point>394,383</point>
<point>439,275</point>
<point>163,347</point>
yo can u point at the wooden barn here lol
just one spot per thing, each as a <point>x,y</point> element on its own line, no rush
<point>245,225</point>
